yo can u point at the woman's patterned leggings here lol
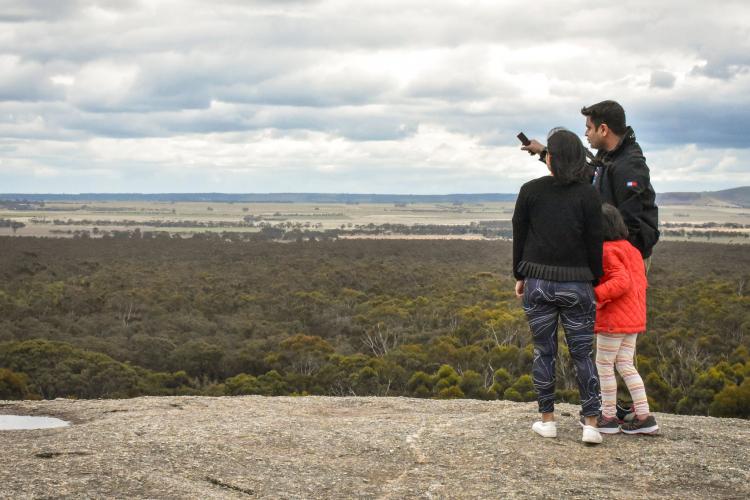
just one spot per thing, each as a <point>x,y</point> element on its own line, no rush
<point>572,303</point>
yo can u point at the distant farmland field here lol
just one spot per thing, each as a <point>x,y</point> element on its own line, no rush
<point>94,219</point>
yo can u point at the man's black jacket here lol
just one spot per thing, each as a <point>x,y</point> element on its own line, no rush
<point>623,180</point>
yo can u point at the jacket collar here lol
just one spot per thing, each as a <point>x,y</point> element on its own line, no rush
<point>627,138</point>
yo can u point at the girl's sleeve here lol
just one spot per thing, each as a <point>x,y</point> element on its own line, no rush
<point>616,280</point>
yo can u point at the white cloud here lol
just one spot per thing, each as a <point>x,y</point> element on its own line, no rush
<point>394,96</point>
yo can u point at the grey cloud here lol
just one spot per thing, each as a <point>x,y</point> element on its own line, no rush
<point>240,25</point>
<point>722,70</point>
<point>26,81</point>
<point>316,88</point>
<point>707,124</point>
<point>55,10</point>
<point>355,124</point>
<point>363,25</point>
<point>452,88</point>
<point>236,66</point>
<point>34,10</point>
<point>169,81</point>
<point>662,80</point>
<point>352,123</point>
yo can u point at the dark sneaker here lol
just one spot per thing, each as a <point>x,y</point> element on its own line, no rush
<point>605,425</point>
<point>608,425</point>
<point>625,412</point>
<point>636,426</point>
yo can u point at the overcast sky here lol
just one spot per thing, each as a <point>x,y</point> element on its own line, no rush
<point>382,96</point>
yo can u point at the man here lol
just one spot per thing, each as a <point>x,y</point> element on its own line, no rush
<point>619,172</point>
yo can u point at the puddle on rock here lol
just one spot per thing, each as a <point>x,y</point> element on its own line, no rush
<point>23,422</point>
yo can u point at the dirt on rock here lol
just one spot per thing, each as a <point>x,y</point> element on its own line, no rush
<point>379,448</point>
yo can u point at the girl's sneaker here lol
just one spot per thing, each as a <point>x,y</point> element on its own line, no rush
<point>608,425</point>
<point>637,426</point>
<point>625,411</point>
<point>603,424</point>
<point>545,429</point>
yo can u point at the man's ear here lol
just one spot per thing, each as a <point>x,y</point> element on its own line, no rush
<point>603,130</point>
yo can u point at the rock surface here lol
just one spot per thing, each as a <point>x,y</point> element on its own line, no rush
<point>320,447</point>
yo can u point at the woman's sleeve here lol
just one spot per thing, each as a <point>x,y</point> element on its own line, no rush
<point>592,231</point>
<point>520,230</point>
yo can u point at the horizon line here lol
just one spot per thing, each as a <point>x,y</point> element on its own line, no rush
<point>120,193</point>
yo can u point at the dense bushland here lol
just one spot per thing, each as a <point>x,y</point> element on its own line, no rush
<point>124,317</point>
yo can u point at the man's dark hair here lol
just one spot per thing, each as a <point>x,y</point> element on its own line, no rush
<point>613,226</point>
<point>567,157</point>
<point>608,112</point>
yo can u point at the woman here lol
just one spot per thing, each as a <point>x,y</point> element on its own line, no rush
<point>557,254</point>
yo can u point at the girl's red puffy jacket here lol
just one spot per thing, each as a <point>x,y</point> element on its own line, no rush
<point>621,293</point>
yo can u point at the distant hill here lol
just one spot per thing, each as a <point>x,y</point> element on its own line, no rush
<point>738,197</point>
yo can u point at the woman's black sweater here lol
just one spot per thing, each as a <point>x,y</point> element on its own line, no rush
<point>557,231</point>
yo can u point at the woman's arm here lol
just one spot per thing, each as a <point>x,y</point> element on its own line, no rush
<point>520,230</point>
<point>592,231</point>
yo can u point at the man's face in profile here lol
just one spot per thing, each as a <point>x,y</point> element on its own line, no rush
<point>593,134</point>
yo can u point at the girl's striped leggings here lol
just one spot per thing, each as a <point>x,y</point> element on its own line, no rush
<point>618,350</point>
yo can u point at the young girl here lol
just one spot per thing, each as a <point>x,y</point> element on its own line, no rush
<point>620,318</point>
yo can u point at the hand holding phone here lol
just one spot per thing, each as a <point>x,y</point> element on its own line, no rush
<point>525,141</point>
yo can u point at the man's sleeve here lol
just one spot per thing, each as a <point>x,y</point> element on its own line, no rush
<point>629,181</point>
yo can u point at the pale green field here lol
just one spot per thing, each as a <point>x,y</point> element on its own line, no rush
<point>320,216</point>
<point>312,216</point>
<point>697,215</point>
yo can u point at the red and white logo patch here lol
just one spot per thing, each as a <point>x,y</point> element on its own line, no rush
<point>631,184</point>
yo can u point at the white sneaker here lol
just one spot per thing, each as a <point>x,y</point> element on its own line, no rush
<point>545,429</point>
<point>591,435</point>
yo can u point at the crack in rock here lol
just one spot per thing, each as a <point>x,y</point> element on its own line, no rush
<point>228,486</point>
<point>53,454</point>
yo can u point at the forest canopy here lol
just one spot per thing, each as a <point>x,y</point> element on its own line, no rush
<point>114,318</point>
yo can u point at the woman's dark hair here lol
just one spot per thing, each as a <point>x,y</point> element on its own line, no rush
<point>613,226</point>
<point>609,112</point>
<point>567,156</point>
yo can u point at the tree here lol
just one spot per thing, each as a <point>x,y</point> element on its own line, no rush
<point>701,394</point>
<point>198,358</point>
<point>420,385</point>
<point>502,381</point>
<point>521,390</point>
<point>13,385</point>
<point>472,385</point>
<point>732,401</point>
<point>365,382</point>
<point>304,354</point>
<point>447,378</point>
<point>57,369</point>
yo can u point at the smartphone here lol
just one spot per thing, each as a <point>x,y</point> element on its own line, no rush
<point>524,140</point>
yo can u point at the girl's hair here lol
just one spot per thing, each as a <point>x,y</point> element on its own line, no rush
<point>568,156</point>
<point>613,226</point>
